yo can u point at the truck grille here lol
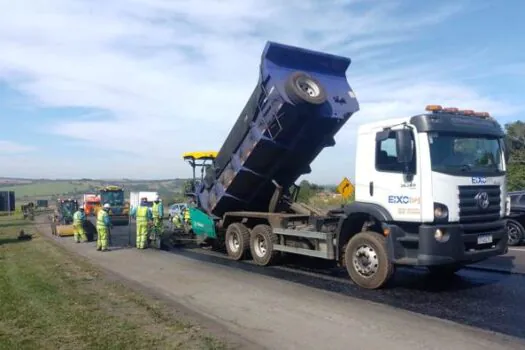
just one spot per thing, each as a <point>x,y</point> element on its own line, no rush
<point>470,200</point>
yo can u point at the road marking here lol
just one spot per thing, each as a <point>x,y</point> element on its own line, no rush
<point>518,249</point>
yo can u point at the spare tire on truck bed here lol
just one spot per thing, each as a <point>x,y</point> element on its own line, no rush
<point>303,88</point>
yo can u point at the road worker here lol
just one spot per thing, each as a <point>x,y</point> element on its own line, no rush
<point>143,216</point>
<point>79,218</point>
<point>157,211</point>
<point>103,227</point>
<point>186,215</point>
<point>186,218</point>
<point>176,221</point>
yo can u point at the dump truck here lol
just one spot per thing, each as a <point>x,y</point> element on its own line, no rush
<point>114,195</point>
<point>91,203</point>
<point>429,188</point>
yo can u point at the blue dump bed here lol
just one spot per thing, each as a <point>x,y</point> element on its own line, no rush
<point>300,102</point>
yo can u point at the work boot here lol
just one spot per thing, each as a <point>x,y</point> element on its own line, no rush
<point>99,249</point>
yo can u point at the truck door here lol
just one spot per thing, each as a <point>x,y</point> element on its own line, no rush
<point>390,187</point>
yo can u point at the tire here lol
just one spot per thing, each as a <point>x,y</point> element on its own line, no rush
<point>515,231</point>
<point>303,88</point>
<point>373,246</point>
<point>237,241</point>
<point>262,240</point>
<point>444,270</point>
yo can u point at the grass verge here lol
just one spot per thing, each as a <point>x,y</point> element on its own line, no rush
<point>52,299</point>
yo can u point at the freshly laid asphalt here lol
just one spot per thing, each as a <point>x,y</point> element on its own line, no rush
<point>489,296</point>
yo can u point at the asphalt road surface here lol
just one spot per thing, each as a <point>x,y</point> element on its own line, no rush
<point>486,299</point>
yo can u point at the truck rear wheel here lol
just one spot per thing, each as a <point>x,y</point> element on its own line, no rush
<point>262,240</point>
<point>237,241</point>
<point>303,88</point>
<point>366,260</point>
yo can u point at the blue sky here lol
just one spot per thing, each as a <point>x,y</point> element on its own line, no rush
<point>90,88</point>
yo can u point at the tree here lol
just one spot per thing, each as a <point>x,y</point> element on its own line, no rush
<point>307,191</point>
<point>515,144</point>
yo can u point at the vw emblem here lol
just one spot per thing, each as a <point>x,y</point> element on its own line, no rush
<point>482,199</point>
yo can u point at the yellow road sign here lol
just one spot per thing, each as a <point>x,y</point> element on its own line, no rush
<point>345,188</point>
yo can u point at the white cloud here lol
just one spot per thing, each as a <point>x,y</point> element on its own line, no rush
<point>167,76</point>
<point>9,147</point>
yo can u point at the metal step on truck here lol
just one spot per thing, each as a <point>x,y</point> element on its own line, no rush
<point>429,189</point>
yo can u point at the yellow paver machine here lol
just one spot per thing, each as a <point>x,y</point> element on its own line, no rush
<point>62,220</point>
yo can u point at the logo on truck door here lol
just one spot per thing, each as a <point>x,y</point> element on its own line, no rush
<point>403,200</point>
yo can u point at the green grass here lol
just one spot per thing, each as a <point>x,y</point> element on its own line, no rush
<point>53,299</point>
<point>42,189</point>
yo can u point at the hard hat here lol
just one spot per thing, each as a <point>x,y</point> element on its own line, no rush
<point>157,198</point>
<point>107,206</point>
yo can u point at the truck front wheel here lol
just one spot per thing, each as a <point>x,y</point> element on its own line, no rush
<point>237,241</point>
<point>262,240</point>
<point>366,260</point>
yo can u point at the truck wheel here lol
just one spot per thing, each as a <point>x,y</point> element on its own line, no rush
<point>366,260</point>
<point>237,241</point>
<point>515,231</point>
<point>303,88</point>
<point>444,270</point>
<point>262,240</point>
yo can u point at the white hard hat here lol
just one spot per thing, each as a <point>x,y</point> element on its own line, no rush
<point>157,198</point>
<point>107,206</point>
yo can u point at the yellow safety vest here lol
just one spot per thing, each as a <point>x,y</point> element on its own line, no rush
<point>155,209</point>
<point>76,218</point>
<point>186,215</point>
<point>100,219</point>
<point>142,213</point>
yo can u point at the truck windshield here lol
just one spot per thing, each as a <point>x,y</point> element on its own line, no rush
<point>458,153</point>
<point>113,198</point>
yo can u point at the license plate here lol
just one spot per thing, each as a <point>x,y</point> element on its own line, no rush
<point>484,239</point>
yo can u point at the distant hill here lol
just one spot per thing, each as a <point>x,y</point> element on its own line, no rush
<point>32,189</point>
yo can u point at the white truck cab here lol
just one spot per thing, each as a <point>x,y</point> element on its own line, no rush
<point>435,184</point>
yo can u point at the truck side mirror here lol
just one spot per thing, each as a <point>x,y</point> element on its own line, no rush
<point>404,146</point>
<point>506,150</point>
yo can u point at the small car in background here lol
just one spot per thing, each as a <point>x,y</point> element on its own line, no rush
<point>516,219</point>
<point>176,209</point>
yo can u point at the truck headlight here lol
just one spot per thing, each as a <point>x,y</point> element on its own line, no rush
<point>507,206</point>
<point>440,211</point>
<point>441,235</point>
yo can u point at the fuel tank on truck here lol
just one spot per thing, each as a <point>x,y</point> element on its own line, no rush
<point>300,102</point>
